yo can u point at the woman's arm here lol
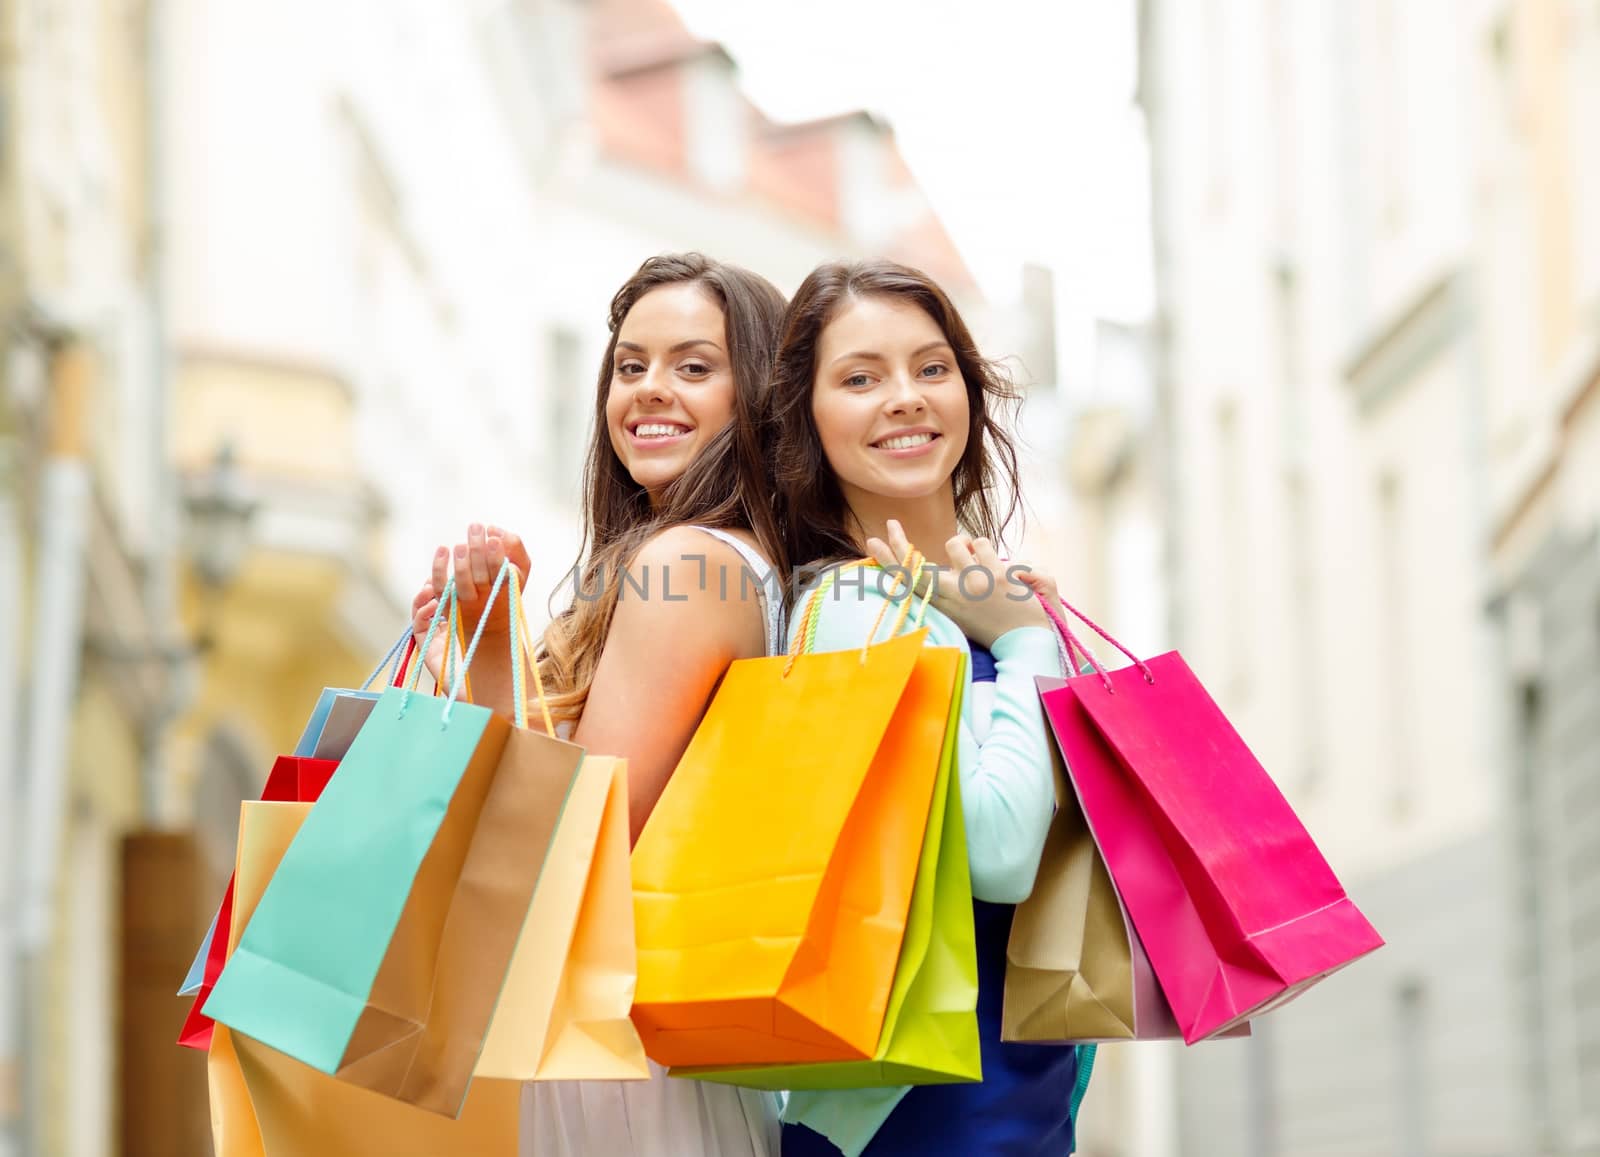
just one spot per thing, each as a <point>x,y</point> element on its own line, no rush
<point>1007,788</point>
<point>665,653</point>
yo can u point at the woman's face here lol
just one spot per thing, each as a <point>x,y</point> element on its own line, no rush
<point>889,402</point>
<point>672,384</point>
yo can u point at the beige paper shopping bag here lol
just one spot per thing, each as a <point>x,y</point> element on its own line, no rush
<point>563,1014</point>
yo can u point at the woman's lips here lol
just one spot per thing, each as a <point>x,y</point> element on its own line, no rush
<point>896,446</point>
<point>655,435</point>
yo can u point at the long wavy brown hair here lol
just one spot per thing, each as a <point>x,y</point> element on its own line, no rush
<point>725,486</point>
<point>815,519</point>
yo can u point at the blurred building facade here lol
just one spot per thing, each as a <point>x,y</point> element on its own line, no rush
<point>1377,362</point>
<point>1111,493</point>
<point>86,518</point>
<point>291,293</point>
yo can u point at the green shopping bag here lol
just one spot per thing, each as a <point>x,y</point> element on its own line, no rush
<point>930,1029</point>
<point>380,946</point>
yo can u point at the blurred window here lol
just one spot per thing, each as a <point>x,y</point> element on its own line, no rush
<point>567,394</point>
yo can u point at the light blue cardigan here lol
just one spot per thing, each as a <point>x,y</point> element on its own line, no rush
<point>1007,794</point>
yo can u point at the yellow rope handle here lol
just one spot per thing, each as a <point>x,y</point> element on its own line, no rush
<point>457,644</point>
<point>448,613</point>
<point>912,564</point>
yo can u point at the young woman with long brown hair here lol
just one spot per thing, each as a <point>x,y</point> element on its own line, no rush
<point>676,498</point>
<point>885,436</point>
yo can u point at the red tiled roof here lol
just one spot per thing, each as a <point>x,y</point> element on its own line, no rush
<point>638,50</point>
<point>798,171</point>
<point>620,29</point>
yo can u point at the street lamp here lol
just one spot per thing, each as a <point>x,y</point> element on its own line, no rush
<point>220,513</point>
<point>217,535</point>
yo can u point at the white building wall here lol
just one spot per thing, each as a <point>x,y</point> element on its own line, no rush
<point>1319,176</point>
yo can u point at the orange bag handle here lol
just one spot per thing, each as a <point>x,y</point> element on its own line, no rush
<point>522,652</point>
<point>911,567</point>
<point>448,614</point>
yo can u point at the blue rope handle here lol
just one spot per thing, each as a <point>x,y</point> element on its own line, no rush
<point>393,656</point>
<point>477,637</point>
<point>452,637</point>
<point>447,597</point>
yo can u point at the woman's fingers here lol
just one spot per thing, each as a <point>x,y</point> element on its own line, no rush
<point>959,551</point>
<point>515,549</point>
<point>882,552</point>
<point>893,580</point>
<point>1043,587</point>
<point>898,542</point>
<point>466,589</point>
<point>478,554</point>
<point>423,596</point>
<point>984,553</point>
<point>441,567</point>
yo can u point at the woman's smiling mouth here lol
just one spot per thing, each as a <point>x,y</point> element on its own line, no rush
<point>907,444</point>
<point>659,433</point>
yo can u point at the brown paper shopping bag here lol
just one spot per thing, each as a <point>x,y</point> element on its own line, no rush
<point>1075,969</point>
<point>264,1104</point>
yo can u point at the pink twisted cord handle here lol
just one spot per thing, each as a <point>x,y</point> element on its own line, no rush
<point>1069,649</point>
<point>1071,641</point>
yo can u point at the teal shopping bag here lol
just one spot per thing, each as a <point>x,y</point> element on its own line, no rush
<point>380,946</point>
<point>354,705</point>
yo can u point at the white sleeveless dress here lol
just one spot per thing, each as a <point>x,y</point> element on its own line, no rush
<point>661,1117</point>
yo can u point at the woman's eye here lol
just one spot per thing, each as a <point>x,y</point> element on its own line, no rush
<point>696,369</point>
<point>630,368</point>
<point>858,380</point>
<point>934,369</point>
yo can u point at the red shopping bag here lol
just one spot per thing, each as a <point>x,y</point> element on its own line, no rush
<point>1236,907</point>
<point>291,780</point>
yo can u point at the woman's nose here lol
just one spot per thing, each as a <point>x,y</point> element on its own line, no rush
<point>657,385</point>
<point>904,397</point>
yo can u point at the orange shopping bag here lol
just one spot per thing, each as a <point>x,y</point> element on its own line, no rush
<point>771,889</point>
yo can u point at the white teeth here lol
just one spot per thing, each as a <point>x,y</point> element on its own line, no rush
<point>659,430</point>
<point>906,442</point>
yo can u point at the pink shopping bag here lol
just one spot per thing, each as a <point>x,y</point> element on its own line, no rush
<point>1236,907</point>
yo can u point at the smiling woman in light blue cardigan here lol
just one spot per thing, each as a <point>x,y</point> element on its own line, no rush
<point>883,434</point>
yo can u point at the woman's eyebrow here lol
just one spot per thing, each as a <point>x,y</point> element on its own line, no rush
<point>682,345</point>
<point>864,355</point>
<point>877,357</point>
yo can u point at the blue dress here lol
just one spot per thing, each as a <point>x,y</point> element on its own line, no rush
<point>1025,1103</point>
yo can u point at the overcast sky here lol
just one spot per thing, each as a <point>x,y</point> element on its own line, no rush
<point>1017,116</point>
